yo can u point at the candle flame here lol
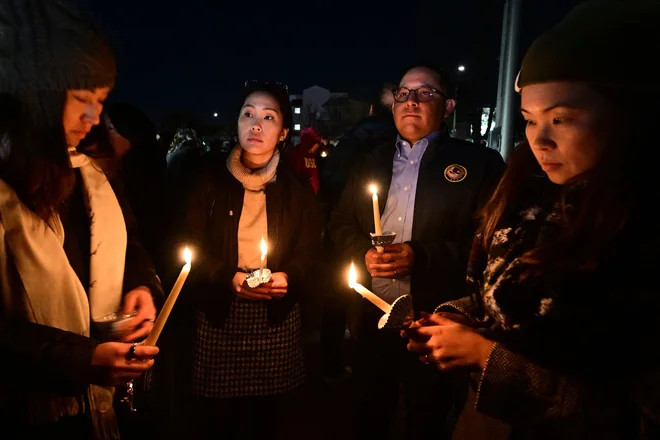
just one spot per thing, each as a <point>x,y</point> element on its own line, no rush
<point>187,256</point>
<point>352,276</point>
<point>373,189</point>
<point>263,247</point>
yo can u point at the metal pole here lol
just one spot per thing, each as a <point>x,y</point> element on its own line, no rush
<point>454,112</point>
<point>512,66</point>
<point>495,136</point>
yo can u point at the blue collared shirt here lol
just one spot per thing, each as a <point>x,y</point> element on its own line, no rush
<point>399,210</point>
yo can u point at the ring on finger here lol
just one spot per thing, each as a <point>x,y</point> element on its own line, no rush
<point>131,352</point>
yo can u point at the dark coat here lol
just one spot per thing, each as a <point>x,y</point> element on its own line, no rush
<point>444,216</point>
<point>575,353</point>
<point>214,203</point>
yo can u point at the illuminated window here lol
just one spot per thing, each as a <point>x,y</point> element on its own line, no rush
<point>485,116</point>
<point>296,110</point>
<point>296,127</point>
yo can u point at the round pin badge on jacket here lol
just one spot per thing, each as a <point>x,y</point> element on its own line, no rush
<point>455,173</point>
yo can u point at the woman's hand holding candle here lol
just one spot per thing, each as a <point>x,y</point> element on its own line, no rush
<point>276,288</point>
<point>138,300</point>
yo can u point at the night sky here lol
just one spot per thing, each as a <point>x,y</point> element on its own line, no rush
<point>196,55</point>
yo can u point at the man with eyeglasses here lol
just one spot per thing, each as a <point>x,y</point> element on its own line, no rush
<point>431,188</point>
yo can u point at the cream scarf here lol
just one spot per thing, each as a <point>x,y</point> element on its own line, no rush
<point>38,283</point>
<point>253,224</point>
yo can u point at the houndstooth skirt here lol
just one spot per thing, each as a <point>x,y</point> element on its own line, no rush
<point>247,356</point>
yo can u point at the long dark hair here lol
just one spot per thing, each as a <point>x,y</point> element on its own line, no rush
<point>34,157</point>
<point>612,194</point>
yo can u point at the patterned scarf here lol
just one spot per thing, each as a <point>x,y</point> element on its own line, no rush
<point>498,279</point>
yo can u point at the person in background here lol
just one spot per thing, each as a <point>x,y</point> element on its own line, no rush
<point>561,326</point>
<point>359,141</point>
<point>302,158</point>
<point>69,254</point>
<point>246,354</point>
<point>340,309</point>
<point>142,173</point>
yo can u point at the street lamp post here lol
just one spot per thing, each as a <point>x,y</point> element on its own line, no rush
<point>460,68</point>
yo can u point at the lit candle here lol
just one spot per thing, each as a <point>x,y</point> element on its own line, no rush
<point>379,227</point>
<point>264,250</point>
<point>169,303</point>
<point>366,293</point>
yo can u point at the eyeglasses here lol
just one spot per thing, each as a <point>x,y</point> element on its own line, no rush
<point>275,84</point>
<point>423,94</point>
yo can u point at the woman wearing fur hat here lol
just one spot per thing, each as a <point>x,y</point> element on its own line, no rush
<point>68,256</point>
<point>561,327</point>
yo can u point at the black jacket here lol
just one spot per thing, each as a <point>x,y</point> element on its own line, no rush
<point>214,203</point>
<point>444,215</point>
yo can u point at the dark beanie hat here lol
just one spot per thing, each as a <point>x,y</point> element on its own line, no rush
<point>51,45</point>
<point>601,42</point>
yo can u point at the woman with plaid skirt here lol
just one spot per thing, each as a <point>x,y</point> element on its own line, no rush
<point>246,354</point>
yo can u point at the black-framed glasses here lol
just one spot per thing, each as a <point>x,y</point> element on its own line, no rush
<point>423,94</point>
<point>270,84</point>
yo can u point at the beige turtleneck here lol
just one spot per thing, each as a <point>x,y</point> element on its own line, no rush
<point>253,224</point>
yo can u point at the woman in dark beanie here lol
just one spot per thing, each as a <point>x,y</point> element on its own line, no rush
<point>561,325</point>
<point>68,256</point>
<point>246,352</point>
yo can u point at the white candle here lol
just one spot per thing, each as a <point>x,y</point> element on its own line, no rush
<point>366,293</point>
<point>169,303</point>
<point>264,249</point>
<point>377,223</point>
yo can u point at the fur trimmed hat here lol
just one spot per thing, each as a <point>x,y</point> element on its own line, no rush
<point>50,45</point>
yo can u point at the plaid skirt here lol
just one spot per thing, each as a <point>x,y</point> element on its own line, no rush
<point>247,356</point>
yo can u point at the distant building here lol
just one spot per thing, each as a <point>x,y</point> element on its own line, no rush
<point>330,113</point>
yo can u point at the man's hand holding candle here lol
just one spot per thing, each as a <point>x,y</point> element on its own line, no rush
<point>395,262</point>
